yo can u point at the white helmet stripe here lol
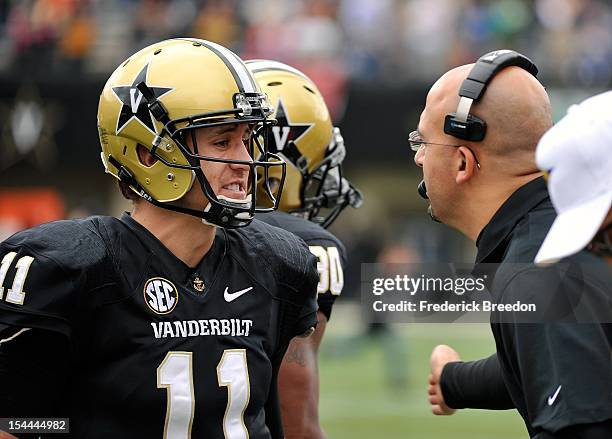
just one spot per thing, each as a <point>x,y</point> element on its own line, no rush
<point>237,64</point>
<point>260,65</point>
<point>241,74</point>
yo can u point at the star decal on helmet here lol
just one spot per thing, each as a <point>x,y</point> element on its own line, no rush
<point>133,104</point>
<point>285,132</point>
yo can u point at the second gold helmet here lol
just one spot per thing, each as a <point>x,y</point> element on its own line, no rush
<point>306,138</point>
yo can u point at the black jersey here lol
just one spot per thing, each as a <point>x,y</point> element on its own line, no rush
<point>161,349</point>
<point>558,373</point>
<point>325,246</point>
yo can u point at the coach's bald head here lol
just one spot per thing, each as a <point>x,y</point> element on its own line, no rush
<point>468,183</point>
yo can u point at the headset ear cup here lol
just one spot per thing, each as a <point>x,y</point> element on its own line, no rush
<point>477,128</point>
<point>473,130</point>
<point>454,127</point>
<point>474,86</point>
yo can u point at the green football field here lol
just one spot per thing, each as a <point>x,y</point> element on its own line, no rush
<point>376,387</point>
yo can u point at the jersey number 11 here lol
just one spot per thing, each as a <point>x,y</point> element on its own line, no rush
<point>175,374</point>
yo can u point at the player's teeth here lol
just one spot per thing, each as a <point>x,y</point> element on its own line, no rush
<point>233,187</point>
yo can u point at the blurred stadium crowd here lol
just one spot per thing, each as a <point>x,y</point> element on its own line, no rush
<point>373,60</point>
<point>393,41</point>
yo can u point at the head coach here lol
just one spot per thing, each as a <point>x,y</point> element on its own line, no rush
<point>476,144</point>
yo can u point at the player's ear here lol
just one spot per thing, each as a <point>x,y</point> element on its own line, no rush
<point>145,157</point>
<point>466,164</point>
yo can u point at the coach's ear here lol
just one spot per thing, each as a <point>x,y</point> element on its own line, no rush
<point>466,164</point>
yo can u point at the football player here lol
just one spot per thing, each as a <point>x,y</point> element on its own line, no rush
<point>171,321</point>
<point>313,196</point>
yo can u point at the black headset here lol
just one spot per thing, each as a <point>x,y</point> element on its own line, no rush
<point>464,125</point>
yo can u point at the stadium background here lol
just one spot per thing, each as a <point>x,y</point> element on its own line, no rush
<point>374,60</point>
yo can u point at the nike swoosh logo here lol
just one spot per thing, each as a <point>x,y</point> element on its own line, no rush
<point>551,399</point>
<point>233,296</point>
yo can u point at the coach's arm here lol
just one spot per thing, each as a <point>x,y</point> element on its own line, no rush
<point>455,384</point>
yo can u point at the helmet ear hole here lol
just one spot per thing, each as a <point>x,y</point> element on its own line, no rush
<point>144,156</point>
<point>273,184</point>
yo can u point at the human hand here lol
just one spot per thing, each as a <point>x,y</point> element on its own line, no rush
<point>440,356</point>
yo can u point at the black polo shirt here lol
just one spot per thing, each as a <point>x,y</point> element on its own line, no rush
<point>557,373</point>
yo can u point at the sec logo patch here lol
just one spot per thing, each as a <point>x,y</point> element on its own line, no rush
<point>160,295</point>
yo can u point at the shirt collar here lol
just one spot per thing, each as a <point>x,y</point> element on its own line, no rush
<point>212,258</point>
<point>492,240</point>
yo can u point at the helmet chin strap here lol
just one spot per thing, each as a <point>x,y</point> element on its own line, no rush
<point>206,210</point>
<point>245,203</point>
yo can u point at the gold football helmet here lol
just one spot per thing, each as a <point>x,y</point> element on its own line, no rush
<point>305,137</point>
<point>157,98</point>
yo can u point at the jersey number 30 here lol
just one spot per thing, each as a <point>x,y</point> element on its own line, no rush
<point>175,374</point>
<point>331,277</point>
